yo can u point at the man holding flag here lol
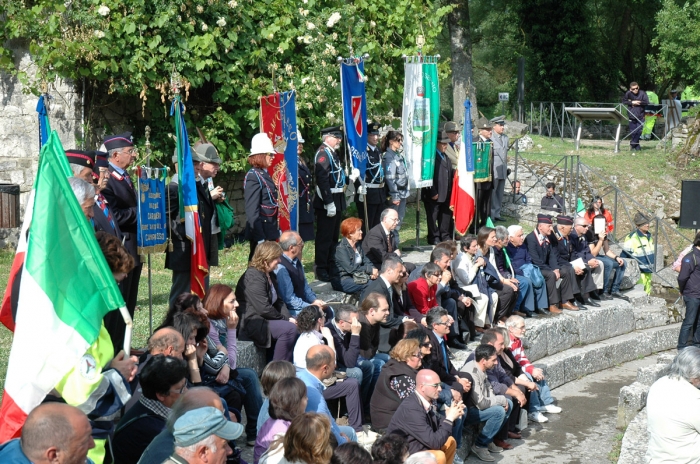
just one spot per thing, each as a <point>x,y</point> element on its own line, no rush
<point>120,194</point>
<point>329,202</point>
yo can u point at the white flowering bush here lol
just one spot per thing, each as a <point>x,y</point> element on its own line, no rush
<point>227,50</point>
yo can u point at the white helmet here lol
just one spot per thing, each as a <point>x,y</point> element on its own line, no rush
<point>261,144</point>
<point>300,139</point>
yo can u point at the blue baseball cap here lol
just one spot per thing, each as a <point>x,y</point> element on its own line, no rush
<point>198,424</point>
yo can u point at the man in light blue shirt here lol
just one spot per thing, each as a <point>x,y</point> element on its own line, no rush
<point>293,286</point>
<point>320,364</point>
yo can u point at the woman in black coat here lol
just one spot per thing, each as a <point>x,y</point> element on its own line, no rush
<point>350,260</point>
<point>260,194</point>
<point>306,199</point>
<point>263,315</point>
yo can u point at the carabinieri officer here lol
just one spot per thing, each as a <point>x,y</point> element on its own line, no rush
<point>329,202</point>
<point>373,191</point>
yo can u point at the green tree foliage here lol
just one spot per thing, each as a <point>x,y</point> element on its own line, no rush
<point>678,42</point>
<point>227,51</point>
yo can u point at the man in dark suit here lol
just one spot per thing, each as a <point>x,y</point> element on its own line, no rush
<point>371,193</point>
<point>179,260</point>
<point>391,271</point>
<point>120,194</point>
<point>438,321</point>
<point>383,240</point>
<point>544,256</point>
<point>418,418</point>
<point>437,198</point>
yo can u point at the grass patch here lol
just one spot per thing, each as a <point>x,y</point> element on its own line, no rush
<point>614,453</point>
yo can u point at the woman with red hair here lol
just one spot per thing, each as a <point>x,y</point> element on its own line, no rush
<point>354,268</point>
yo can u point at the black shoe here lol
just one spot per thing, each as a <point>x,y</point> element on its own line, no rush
<point>595,296</point>
<point>528,314</point>
<point>456,344</point>
<point>619,295</point>
<point>499,220</point>
<point>322,275</point>
<point>590,302</point>
<point>582,308</point>
<point>542,311</point>
<point>605,296</point>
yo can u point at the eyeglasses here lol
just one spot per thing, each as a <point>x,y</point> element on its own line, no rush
<point>426,344</point>
<point>131,151</point>
<point>181,390</point>
<point>437,274</point>
<point>417,356</point>
<point>347,322</point>
<point>441,323</point>
<point>634,88</point>
<point>403,273</point>
<point>434,385</point>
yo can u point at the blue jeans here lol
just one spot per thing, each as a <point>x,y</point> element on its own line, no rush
<point>347,285</point>
<point>364,374</point>
<point>495,417</point>
<point>609,265</point>
<point>349,432</point>
<point>445,398</point>
<point>378,361</point>
<point>541,397</point>
<point>252,400</point>
<point>690,323</point>
<point>526,295</point>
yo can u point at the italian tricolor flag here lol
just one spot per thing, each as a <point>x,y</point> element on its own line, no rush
<point>66,289</point>
<point>462,200</point>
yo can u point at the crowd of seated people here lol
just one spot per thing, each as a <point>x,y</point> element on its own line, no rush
<point>385,362</point>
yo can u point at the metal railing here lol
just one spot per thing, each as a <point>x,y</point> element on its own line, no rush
<point>552,120</point>
<point>582,181</point>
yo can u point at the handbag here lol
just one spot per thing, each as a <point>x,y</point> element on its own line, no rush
<point>360,277</point>
<point>533,273</point>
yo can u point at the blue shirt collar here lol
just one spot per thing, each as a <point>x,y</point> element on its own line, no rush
<point>117,168</point>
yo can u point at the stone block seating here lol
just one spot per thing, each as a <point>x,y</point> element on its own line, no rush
<point>632,413</point>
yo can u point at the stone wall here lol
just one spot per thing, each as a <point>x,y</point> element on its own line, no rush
<point>19,129</point>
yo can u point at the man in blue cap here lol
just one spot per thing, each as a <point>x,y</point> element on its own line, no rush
<point>202,436</point>
<point>120,194</point>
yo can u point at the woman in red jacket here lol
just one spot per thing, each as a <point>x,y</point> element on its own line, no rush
<point>422,291</point>
<point>596,208</point>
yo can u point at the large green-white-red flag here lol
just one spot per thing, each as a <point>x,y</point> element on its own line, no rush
<point>66,289</point>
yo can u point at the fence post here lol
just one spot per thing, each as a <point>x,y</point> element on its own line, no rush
<point>656,242</point>
<point>515,174</point>
<point>563,114</point>
<point>566,174</point>
<point>551,107</point>
<point>615,216</point>
<point>578,173</point>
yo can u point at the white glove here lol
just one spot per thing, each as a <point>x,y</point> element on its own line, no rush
<point>362,190</point>
<point>362,198</point>
<point>354,174</point>
<point>330,210</point>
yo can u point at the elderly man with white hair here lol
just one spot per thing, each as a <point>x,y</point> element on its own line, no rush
<point>85,193</point>
<point>541,399</point>
<point>519,257</point>
<point>673,421</point>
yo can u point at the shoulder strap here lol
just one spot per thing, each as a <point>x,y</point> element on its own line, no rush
<point>134,419</point>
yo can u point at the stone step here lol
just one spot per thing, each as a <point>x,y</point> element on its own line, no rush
<point>547,336</point>
<point>577,362</point>
<point>635,441</point>
<point>633,398</point>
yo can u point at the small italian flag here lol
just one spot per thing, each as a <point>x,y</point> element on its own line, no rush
<point>66,289</point>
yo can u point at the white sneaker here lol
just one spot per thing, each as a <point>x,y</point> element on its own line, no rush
<point>551,409</point>
<point>537,417</point>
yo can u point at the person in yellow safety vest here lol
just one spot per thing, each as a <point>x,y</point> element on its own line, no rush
<point>689,94</point>
<point>649,120</point>
<point>639,246</point>
<point>99,386</point>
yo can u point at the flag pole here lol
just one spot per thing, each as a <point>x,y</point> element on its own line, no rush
<point>129,328</point>
<point>150,281</point>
